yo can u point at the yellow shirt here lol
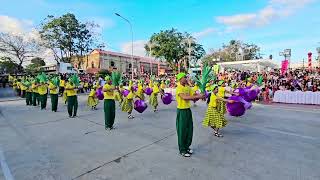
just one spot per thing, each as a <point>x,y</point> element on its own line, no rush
<point>181,103</point>
<point>23,87</point>
<point>221,91</point>
<point>34,88</point>
<point>130,95</point>
<point>92,93</point>
<point>86,84</point>
<point>53,88</point>
<point>162,86</point>
<point>140,90</point>
<point>213,100</point>
<point>62,83</point>
<point>195,89</point>
<point>108,94</point>
<point>155,89</point>
<point>72,92</point>
<point>42,89</point>
<point>29,89</point>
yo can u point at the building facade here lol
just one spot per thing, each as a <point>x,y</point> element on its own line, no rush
<point>100,59</point>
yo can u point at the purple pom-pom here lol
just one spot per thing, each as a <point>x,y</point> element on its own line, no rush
<point>148,91</point>
<point>135,88</point>
<point>236,108</point>
<point>140,106</point>
<point>125,92</point>
<point>167,98</point>
<point>99,94</point>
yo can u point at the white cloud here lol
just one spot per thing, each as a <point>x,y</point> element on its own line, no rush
<point>13,25</point>
<point>138,47</point>
<point>237,21</point>
<point>274,10</point>
<point>204,33</point>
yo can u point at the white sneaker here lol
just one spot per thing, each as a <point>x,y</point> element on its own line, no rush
<point>185,154</point>
<point>190,151</point>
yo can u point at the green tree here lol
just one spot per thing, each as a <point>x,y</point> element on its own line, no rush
<point>38,61</point>
<point>8,66</point>
<point>172,46</point>
<point>35,65</point>
<point>67,37</point>
<point>234,51</point>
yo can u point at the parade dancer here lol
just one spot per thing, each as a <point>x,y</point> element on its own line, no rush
<point>109,104</point>
<point>29,93</point>
<point>71,92</point>
<point>43,90</point>
<point>54,90</point>
<point>154,97</point>
<point>35,94</point>
<point>140,91</point>
<point>214,118</point>
<point>127,104</point>
<point>184,122</point>
<point>93,101</point>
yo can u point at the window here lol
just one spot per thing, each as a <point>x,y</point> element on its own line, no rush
<point>130,65</point>
<point>112,64</point>
<point>69,68</point>
<point>92,64</point>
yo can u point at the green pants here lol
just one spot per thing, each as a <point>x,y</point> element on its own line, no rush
<point>72,105</point>
<point>54,102</point>
<point>184,126</point>
<point>43,101</point>
<point>109,112</point>
<point>29,98</point>
<point>35,99</point>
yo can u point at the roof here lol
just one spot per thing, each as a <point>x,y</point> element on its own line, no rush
<point>138,58</point>
<point>249,64</point>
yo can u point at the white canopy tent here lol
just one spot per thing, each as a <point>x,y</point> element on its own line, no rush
<point>249,65</point>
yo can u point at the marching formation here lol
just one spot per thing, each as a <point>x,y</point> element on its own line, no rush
<point>234,99</point>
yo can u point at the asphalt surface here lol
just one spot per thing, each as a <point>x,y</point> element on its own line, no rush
<point>268,142</point>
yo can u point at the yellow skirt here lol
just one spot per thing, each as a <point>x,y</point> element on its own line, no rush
<point>221,107</point>
<point>92,101</point>
<point>154,99</point>
<point>117,96</point>
<point>214,119</point>
<point>127,105</point>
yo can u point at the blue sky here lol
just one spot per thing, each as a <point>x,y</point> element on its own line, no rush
<point>272,24</point>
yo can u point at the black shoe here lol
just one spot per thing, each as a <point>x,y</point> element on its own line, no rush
<point>190,151</point>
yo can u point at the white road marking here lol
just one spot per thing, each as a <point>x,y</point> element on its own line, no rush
<point>5,168</point>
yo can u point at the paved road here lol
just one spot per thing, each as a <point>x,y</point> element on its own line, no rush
<point>269,142</point>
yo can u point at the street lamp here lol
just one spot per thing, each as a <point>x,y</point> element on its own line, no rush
<point>131,41</point>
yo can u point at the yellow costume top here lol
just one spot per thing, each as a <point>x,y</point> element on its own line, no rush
<point>181,103</point>
<point>73,91</point>
<point>213,100</point>
<point>53,88</point>
<point>110,93</point>
<point>221,91</point>
<point>43,89</point>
